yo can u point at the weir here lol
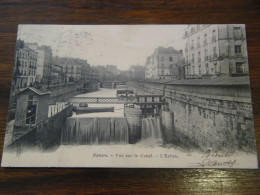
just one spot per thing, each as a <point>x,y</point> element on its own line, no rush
<point>151,129</point>
<point>94,130</point>
<point>80,131</point>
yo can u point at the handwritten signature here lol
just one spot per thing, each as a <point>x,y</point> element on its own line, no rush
<point>214,163</point>
<point>209,154</point>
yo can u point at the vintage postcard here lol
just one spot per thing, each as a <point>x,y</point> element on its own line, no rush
<point>140,96</point>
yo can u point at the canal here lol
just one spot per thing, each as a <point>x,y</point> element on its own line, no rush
<point>81,147</point>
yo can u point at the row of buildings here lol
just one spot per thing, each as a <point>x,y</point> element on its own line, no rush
<point>33,64</point>
<point>36,65</point>
<point>209,51</point>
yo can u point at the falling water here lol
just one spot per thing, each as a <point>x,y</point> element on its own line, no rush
<point>79,131</point>
<point>151,129</point>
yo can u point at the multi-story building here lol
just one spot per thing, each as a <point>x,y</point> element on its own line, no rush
<point>215,50</point>
<point>162,64</point>
<point>138,72</point>
<point>74,69</point>
<point>44,62</point>
<point>26,62</point>
<point>57,74</point>
<point>86,73</point>
<point>113,69</point>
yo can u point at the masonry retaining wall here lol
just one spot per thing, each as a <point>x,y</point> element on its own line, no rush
<point>214,117</point>
<point>134,120</point>
<point>64,92</point>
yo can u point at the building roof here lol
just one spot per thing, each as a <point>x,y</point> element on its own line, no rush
<point>37,91</point>
<point>169,50</point>
<point>243,80</point>
<point>28,49</point>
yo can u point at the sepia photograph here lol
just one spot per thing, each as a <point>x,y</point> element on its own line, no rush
<point>139,96</point>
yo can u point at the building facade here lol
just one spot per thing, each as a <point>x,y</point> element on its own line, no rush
<point>162,64</point>
<point>215,50</point>
<point>26,66</point>
<point>44,62</point>
<point>74,69</point>
<point>138,72</point>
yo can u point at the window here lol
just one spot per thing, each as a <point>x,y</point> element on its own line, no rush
<point>192,30</point>
<point>198,45</point>
<point>162,58</point>
<point>207,68</point>
<point>192,58</point>
<point>170,59</point>
<point>213,35</point>
<point>193,70</point>
<point>162,65</point>
<point>206,54</point>
<point>214,52</point>
<point>162,72</point>
<point>237,32</point>
<point>239,67</point>
<point>199,69</point>
<point>215,67</point>
<point>205,39</point>
<point>238,49</point>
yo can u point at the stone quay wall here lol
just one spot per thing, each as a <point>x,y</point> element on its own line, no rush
<point>64,92</point>
<point>134,120</point>
<point>43,136</point>
<point>213,117</point>
<point>143,88</point>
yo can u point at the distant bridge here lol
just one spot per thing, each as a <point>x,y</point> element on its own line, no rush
<point>140,99</point>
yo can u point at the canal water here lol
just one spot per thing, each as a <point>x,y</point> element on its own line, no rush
<point>107,127</point>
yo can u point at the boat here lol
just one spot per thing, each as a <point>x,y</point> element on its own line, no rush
<point>84,110</point>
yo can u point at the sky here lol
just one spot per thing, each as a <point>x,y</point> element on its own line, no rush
<point>120,45</point>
